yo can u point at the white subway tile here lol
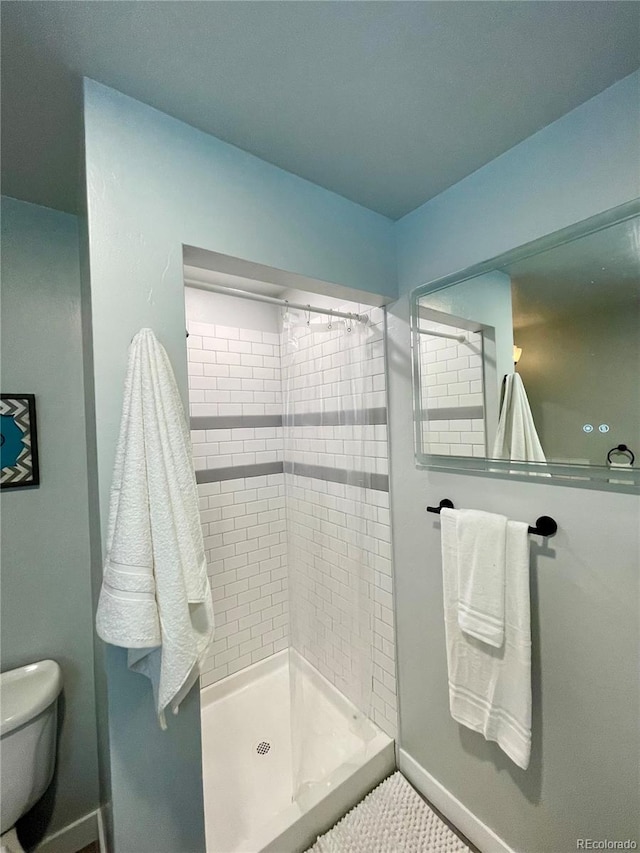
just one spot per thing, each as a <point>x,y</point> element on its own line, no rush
<point>227,332</point>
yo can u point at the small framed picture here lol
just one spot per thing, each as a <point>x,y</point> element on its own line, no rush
<point>18,441</point>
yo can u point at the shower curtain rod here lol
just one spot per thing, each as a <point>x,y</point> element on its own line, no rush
<point>273,300</point>
<point>462,339</point>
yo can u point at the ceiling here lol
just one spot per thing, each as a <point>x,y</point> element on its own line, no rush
<point>385,103</point>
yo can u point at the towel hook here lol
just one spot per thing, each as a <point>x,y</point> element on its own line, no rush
<point>545,526</point>
<point>621,448</point>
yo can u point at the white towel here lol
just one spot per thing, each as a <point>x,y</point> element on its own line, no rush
<point>517,438</point>
<point>489,688</point>
<point>481,539</point>
<point>155,598</point>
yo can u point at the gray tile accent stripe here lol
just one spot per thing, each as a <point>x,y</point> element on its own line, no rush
<point>235,421</point>
<point>238,472</point>
<point>349,417</point>
<point>455,413</point>
<point>380,482</point>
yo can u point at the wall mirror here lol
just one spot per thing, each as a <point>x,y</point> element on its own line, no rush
<point>528,365</point>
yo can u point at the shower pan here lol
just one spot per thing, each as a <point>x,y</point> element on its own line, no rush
<point>249,784</point>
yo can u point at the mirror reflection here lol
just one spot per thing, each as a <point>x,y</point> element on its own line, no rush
<point>536,361</point>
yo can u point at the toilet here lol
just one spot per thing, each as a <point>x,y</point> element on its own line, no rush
<point>28,717</point>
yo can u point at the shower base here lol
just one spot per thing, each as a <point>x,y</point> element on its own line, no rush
<point>247,760</point>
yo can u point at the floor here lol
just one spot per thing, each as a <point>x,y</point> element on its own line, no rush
<point>393,817</point>
<point>455,830</point>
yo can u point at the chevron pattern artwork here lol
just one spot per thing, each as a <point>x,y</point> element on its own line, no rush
<point>18,441</point>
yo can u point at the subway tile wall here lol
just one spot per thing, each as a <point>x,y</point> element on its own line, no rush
<point>453,393</point>
<point>253,525</point>
<point>342,608</point>
<point>339,532</point>
<point>244,530</point>
<point>235,373</point>
<point>326,371</point>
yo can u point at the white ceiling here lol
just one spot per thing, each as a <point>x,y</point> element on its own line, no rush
<point>386,103</point>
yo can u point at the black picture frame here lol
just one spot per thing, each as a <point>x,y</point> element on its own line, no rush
<point>18,425</point>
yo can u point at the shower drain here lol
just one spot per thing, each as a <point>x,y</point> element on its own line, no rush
<point>263,747</point>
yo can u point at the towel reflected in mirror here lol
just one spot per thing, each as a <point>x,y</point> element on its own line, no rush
<point>517,438</point>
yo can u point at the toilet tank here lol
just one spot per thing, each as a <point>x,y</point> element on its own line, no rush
<point>28,721</point>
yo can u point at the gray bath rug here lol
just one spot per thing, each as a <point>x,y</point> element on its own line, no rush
<point>393,818</point>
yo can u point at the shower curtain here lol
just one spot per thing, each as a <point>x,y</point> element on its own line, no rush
<point>330,572</point>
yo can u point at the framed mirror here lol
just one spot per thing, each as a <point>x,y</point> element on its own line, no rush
<point>528,365</point>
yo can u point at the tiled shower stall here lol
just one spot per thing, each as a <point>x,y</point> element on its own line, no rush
<point>307,481</point>
<point>452,391</point>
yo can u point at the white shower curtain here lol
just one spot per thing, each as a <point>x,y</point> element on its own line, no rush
<point>329,573</point>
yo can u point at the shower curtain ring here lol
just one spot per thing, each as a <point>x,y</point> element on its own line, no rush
<point>309,316</point>
<point>330,323</point>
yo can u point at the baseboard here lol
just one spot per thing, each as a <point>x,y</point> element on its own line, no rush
<point>484,838</point>
<point>102,834</point>
<point>73,837</point>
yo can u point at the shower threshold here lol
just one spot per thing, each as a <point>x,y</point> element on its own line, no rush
<point>247,759</point>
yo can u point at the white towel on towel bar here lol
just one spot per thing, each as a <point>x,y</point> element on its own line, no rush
<point>481,541</point>
<point>490,688</point>
<point>155,598</point>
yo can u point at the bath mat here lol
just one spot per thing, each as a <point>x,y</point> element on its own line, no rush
<point>393,818</point>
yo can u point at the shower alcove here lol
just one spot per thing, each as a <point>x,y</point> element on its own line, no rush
<point>289,431</point>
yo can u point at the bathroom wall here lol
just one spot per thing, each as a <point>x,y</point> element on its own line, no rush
<point>46,591</point>
<point>583,778</point>
<point>155,185</point>
<point>486,300</point>
<point>235,405</point>
<point>523,189</point>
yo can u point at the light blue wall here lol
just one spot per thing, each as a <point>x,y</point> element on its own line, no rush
<point>485,299</point>
<point>583,780</point>
<point>584,163</point>
<point>154,184</point>
<point>46,584</point>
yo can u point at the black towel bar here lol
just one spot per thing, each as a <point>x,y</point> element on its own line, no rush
<point>545,525</point>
